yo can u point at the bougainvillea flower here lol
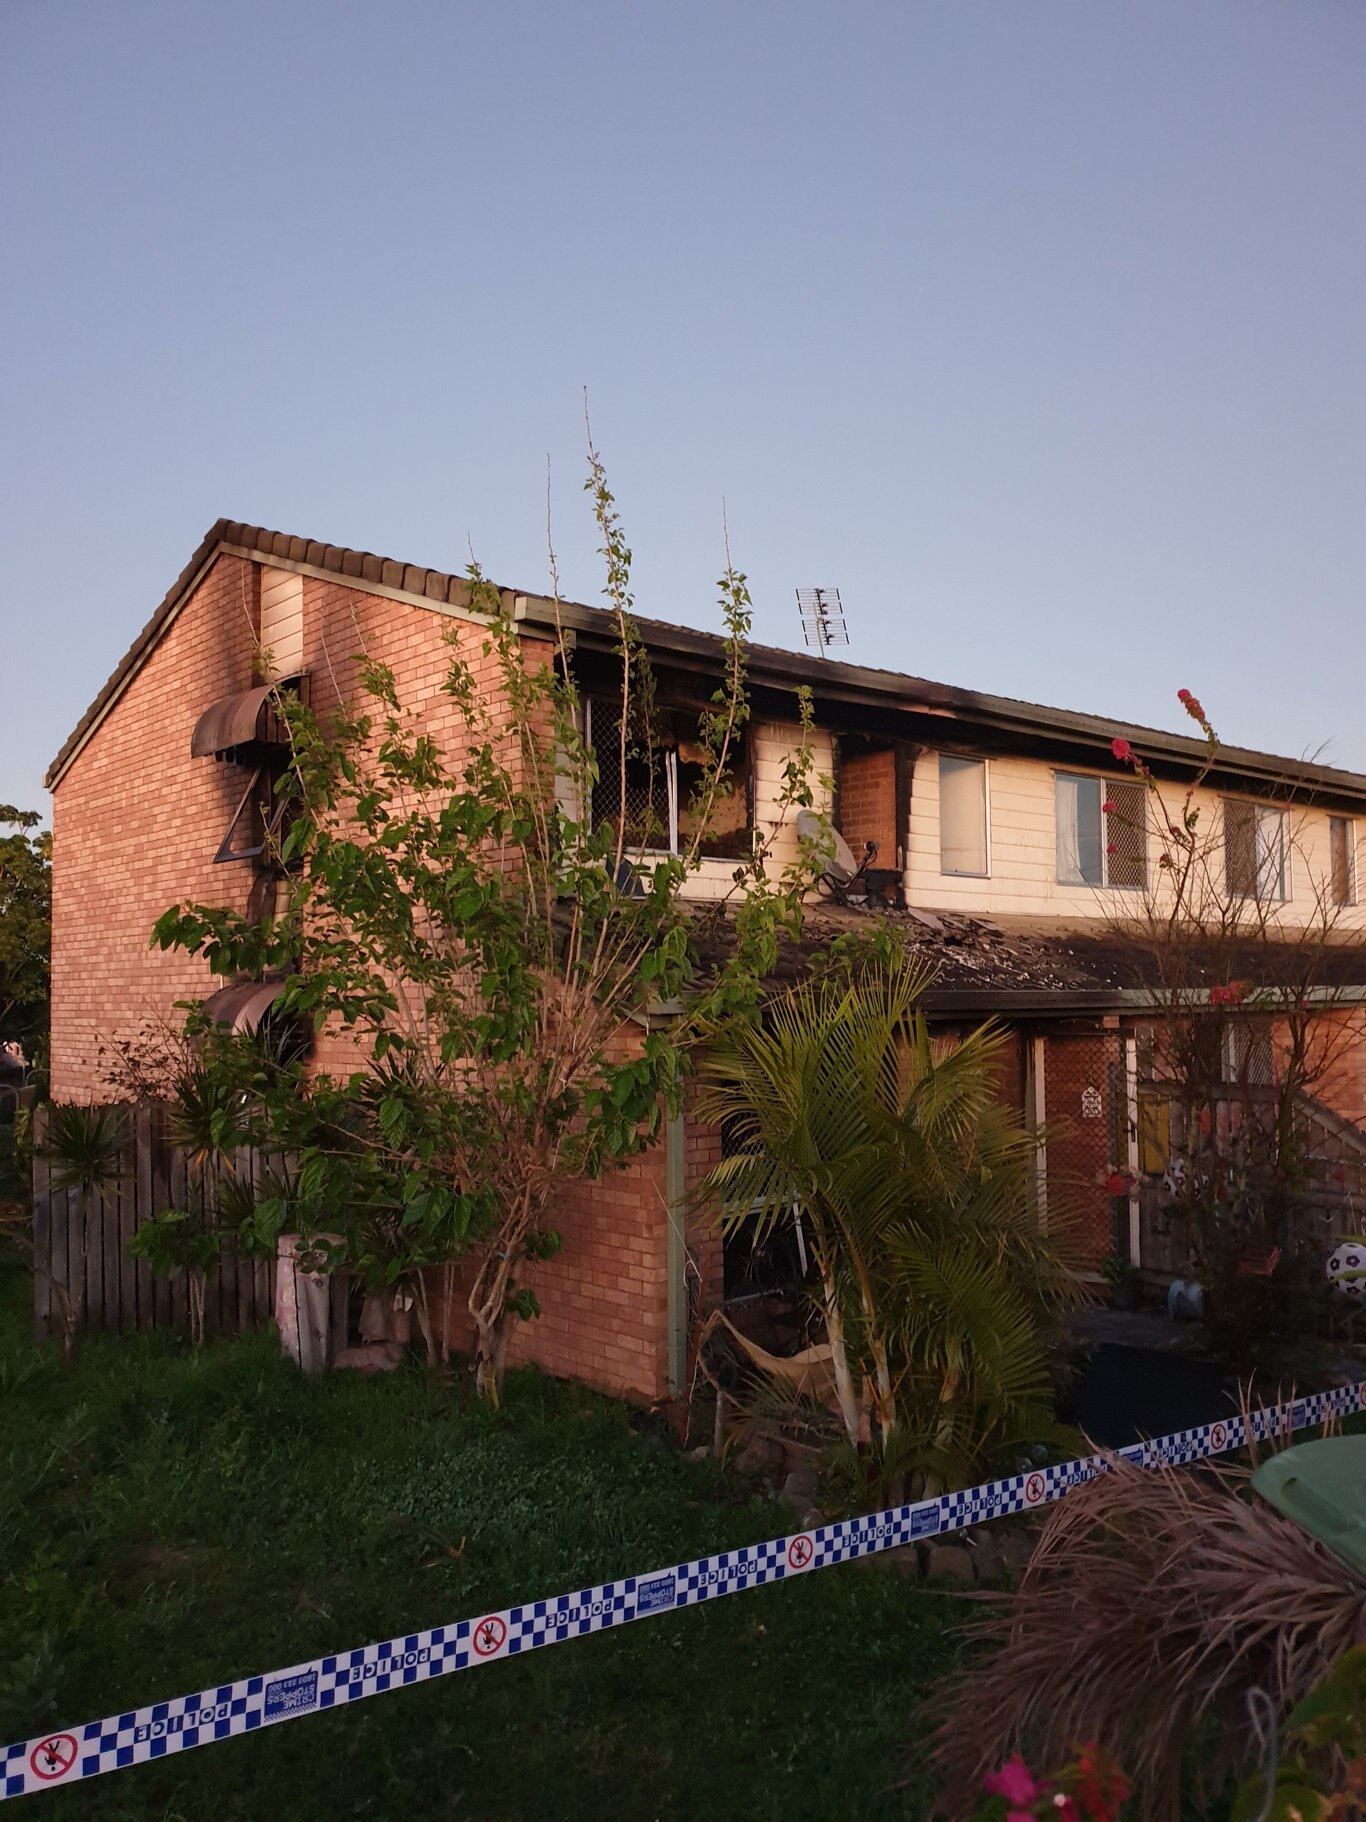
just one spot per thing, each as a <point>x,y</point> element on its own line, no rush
<point>1108,807</point>
<point>1015,1783</point>
<point>1121,749</point>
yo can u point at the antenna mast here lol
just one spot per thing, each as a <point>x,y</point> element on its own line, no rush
<point>822,618</point>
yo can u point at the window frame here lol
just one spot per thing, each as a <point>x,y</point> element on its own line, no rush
<point>976,759</point>
<point>1260,810</point>
<point>1106,784</point>
<point>1348,825</point>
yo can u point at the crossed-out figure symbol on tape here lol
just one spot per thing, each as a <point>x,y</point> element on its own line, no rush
<point>800,1551</point>
<point>54,1757</point>
<point>489,1635</point>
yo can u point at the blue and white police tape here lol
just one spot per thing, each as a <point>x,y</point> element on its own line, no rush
<point>65,1757</point>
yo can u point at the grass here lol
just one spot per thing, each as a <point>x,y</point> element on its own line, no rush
<point>169,1521</point>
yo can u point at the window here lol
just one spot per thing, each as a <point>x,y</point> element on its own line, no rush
<point>963,816</point>
<point>1249,1054</point>
<point>665,771</point>
<point>1101,832</point>
<point>1254,850</point>
<point>1343,852</point>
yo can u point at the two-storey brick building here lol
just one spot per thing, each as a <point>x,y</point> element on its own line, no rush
<point>1001,839</point>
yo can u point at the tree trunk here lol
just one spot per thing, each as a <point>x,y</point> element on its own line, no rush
<point>839,1360</point>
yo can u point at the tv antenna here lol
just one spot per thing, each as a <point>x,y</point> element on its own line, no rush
<point>822,618</point>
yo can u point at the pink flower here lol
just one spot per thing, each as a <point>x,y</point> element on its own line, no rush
<point>1183,695</point>
<point>1110,848</point>
<point>1121,749</point>
<point>1164,860</point>
<point>1013,1782</point>
<point>1109,808</point>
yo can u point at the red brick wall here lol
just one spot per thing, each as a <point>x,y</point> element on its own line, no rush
<point>868,804</point>
<point>1339,1049</point>
<point>136,823</point>
<point>1082,1149</point>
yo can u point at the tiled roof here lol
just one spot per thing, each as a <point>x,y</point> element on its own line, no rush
<point>767,664</point>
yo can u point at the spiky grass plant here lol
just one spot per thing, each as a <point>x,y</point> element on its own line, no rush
<point>1155,1600</point>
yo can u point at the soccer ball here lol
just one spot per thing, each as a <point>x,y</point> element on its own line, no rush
<point>1346,1268</point>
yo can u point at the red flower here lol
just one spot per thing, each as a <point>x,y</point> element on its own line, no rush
<point>1183,695</point>
<point>1164,860</point>
<point>1121,749</point>
<point>1118,1183</point>
<point>1110,848</point>
<point>1108,807</point>
<point>1013,1782</point>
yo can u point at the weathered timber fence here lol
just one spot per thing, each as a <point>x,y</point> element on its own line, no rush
<point>82,1266</point>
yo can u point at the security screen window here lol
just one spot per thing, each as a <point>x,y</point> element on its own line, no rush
<point>1101,832</point>
<point>963,816</point>
<point>1254,850</point>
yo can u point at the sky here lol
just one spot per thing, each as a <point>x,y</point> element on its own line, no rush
<point>1036,329</point>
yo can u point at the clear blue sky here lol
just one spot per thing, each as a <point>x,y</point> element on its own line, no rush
<point>1035,328</point>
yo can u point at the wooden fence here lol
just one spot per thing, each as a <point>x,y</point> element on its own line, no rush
<point>1329,1204</point>
<point>81,1243</point>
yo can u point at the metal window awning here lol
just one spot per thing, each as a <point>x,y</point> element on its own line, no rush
<point>242,1008</point>
<point>248,718</point>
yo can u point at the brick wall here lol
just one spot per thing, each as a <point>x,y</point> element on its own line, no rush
<point>868,804</point>
<point>1339,1048</point>
<point>136,823</point>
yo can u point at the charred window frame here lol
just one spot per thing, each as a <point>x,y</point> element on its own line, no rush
<point>665,771</point>
<point>260,819</point>
<point>248,734</point>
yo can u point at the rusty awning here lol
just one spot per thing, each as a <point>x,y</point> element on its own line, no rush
<point>246,719</point>
<point>241,1008</point>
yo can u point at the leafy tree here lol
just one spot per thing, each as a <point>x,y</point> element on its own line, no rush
<point>523,990</point>
<point>913,1189</point>
<point>25,931</point>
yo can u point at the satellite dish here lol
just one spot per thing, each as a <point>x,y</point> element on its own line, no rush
<point>828,845</point>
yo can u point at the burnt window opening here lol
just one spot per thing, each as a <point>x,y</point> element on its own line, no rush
<point>656,795</point>
<point>247,731</point>
<point>872,810</point>
<point>260,821</point>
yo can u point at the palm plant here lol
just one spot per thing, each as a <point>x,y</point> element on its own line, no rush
<point>913,1190</point>
<point>84,1149</point>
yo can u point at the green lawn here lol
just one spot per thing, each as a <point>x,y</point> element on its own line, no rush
<point>168,1522</point>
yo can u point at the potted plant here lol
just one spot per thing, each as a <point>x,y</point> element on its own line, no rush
<point>1121,1275</point>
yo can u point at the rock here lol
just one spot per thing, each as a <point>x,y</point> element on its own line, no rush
<point>700,1453</point>
<point>372,1357</point>
<point>1015,1547</point>
<point>801,1485</point>
<point>811,1519</point>
<point>948,1563</point>
<point>758,1456</point>
<point>988,1563</point>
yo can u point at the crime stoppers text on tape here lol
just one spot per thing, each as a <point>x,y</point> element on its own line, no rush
<point>68,1755</point>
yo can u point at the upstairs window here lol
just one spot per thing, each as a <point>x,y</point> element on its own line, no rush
<point>1101,832</point>
<point>1254,850</point>
<point>664,796</point>
<point>1342,847</point>
<point>963,816</point>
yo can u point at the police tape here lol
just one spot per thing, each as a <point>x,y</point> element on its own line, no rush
<point>141,1734</point>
